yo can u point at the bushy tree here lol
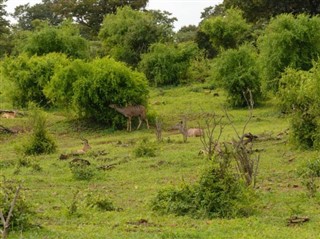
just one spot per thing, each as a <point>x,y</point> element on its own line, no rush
<point>228,31</point>
<point>28,76</point>
<point>107,81</point>
<point>4,30</point>
<point>288,41</point>
<point>63,39</point>
<point>236,71</point>
<point>167,64</point>
<point>129,33</point>
<point>299,94</point>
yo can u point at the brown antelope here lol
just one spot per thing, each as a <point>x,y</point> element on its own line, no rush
<point>85,147</point>
<point>132,111</point>
<point>9,115</point>
<point>191,132</point>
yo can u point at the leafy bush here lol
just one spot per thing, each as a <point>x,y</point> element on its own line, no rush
<point>101,202</point>
<point>22,212</point>
<point>145,149</point>
<point>299,95</point>
<point>215,195</point>
<point>104,82</point>
<point>81,171</point>
<point>29,76</point>
<point>236,71</point>
<point>167,64</point>
<point>40,142</point>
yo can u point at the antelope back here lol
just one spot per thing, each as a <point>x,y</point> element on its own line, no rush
<point>195,132</point>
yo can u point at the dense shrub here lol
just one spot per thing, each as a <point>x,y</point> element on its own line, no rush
<point>99,201</point>
<point>28,76</point>
<point>215,195</point>
<point>40,142</point>
<point>107,82</point>
<point>167,64</point>
<point>299,95</point>
<point>145,149</point>
<point>236,71</point>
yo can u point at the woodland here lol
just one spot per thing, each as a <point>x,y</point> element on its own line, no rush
<point>114,125</point>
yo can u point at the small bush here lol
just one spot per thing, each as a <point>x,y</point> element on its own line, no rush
<point>213,196</point>
<point>82,172</point>
<point>145,149</point>
<point>40,142</point>
<point>310,173</point>
<point>98,201</point>
<point>22,211</point>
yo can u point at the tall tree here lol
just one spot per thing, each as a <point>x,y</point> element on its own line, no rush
<point>4,29</point>
<point>129,33</point>
<point>264,9</point>
<point>88,13</point>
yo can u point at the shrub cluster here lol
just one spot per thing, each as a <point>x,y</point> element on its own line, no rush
<point>215,195</point>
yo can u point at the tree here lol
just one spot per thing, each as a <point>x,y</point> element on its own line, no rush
<point>227,31</point>
<point>88,14</point>
<point>187,33</point>
<point>288,41</point>
<point>63,39</point>
<point>4,30</point>
<point>236,71</point>
<point>167,64</point>
<point>263,10</point>
<point>129,33</point>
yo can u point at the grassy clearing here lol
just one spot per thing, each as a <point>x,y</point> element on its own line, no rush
<point>133,182</point>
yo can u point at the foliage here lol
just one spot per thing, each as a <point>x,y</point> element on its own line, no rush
<point>82,171</point>
<point>299,94</point>
<point>236,71</point>
<point>99,201</point>
<point>29,76</point>
<point>186,33</point>
<point>227,31</point>
<point>167,64</point>
<point>288,41</point>
<point>262,10</point>
<point>128,33</point>
<point>310,173</point>
<point>88,14</point>
<point>64,38</point>
<point>215,195</point>
<point>105,82</point>
<point>40,142</point>
<point>22,211</point>
<point>145,149</point>
<point>5,44</point>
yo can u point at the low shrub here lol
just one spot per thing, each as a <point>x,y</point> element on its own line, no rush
<point>215,195</point>
<point>145,149</point>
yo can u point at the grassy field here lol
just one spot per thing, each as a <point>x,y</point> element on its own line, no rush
<point>48,184</point>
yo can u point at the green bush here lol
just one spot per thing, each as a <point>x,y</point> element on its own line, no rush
<point>236,71</point>
<point>28,76</point>
<point>167,64</point>
<point>145,149</point>
<point>105,82</point>
<point>22,212</point>
<point>215,195</point>
<point>82,171</point>
<point>101,202</point>
<point>40,142</point>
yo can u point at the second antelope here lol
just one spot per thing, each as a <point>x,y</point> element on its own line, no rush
<point>191,132</point>
<point>132,111</point>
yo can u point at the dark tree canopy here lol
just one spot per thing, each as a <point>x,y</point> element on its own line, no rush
<point>4,29</point>
<point>88,13</point>
<point>264,9</point>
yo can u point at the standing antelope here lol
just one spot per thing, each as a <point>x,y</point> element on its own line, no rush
<point>132,111</point>
<point>192,132</point>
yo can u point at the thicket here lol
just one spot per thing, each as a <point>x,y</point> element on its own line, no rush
<point>168,64</point>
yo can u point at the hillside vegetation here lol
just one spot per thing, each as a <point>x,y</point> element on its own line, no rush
<point>64,206</point>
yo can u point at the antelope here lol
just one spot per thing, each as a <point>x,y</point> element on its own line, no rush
<point>9,115</point>
<point>132,111</point>
<point>85,147</point>
<point>192,132</point>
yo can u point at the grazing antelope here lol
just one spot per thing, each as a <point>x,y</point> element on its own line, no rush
<point>132,111</point>
<point>9,115</point>
<point>192,132</point>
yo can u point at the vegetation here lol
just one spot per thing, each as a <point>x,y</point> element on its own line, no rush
<point>251,173</point>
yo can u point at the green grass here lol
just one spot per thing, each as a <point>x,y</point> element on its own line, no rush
<point>133,182</point>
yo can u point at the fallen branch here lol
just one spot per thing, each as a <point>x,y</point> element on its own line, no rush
<point>6,130</point>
